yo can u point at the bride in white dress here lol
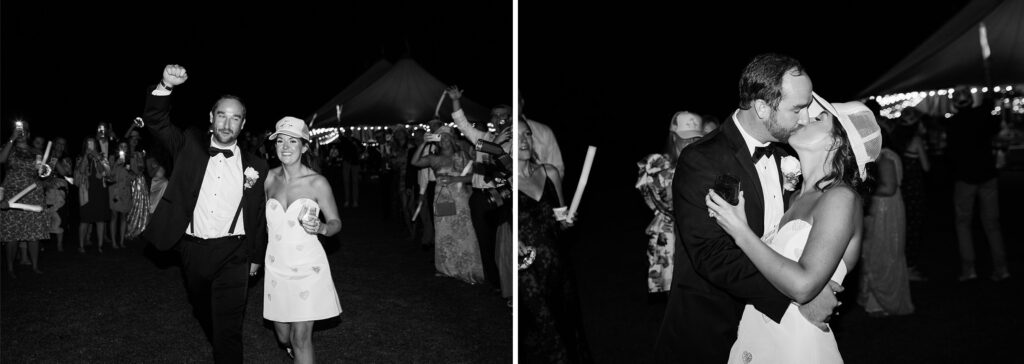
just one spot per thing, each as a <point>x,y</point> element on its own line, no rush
<point>298,288</point>
<point>817,240</point>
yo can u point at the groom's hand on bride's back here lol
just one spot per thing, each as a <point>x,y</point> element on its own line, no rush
<point>820,309</point>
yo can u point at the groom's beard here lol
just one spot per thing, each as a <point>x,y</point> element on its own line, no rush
<point>778,132</point>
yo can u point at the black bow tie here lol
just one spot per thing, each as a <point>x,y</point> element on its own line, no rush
<point>763,151</point>
<point>227,152</point>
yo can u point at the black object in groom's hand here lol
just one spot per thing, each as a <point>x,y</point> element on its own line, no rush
<point>728,188</point>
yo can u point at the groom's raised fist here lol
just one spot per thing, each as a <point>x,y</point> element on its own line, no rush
<point>174,75</point>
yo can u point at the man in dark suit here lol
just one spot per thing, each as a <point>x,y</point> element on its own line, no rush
<point>713,278</point>
<point>212,212</point>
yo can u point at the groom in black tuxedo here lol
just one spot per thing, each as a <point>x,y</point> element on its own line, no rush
<point>212,211</point>
<point>714,279</point>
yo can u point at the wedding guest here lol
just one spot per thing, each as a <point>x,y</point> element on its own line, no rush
<point>119,194</point>
<point>487,216</point>
<point>710,123</point>
<point>970,131</point>
<point>63,191</point>
<point>908,142</point>
<point>138,212</point>
<point>157,184</point>
<point>884,281</point>
<point>351,156</point>
<point>457,253</point>
<point>655,184</point>
<point>91,175</point>
<point>544,304</point>
<point>19,226</point>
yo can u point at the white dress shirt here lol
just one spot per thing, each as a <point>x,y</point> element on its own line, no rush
<point>768,173</point>
<point>219,197</point>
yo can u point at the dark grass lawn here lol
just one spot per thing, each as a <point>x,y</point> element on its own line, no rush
<point>129,306</point>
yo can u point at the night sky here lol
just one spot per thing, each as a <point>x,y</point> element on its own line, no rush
<point>614,76</point>
<point>71,66</point>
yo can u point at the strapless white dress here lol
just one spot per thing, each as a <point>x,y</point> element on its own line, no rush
<point>298,284</point>
<point>794,339</point>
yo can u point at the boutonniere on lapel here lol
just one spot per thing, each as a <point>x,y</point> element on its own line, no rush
<point>790,172</point>
<point>250,177</point>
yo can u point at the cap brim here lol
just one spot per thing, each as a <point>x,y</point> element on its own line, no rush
<point>687,134</point>
<point>288,133</point>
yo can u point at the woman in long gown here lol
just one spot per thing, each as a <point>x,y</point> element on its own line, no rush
<point>456,252</point>
<point>542,277</point>
<point>885,282</point>
<point>818,238</point>
<point>298,288</point>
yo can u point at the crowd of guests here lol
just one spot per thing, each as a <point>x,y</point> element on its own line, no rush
<point>897,208</point>
<point>109,182</point>
<point>449,196</point>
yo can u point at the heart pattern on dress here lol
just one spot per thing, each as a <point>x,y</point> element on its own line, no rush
<point>316,269</point>
<point>299,247</point>
<point>291,223</point>
<point>268,297</point>
<point>295,270</point>
<point>278,237</point>
<point>273,283</point>
<point>273,206</point>
<point>271,257</point>
<point>304,295</point>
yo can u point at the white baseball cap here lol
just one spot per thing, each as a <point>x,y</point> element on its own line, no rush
<point>291,126</point>
<point>687,125</point>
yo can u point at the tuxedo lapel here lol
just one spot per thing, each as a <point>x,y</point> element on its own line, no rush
<point>742,155</point>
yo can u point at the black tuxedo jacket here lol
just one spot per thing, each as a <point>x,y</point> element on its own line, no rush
<point>190,150</point>
<point>713,279</point>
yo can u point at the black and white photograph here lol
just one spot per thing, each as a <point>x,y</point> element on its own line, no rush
<point>246,182</point>
<point>770,182</point>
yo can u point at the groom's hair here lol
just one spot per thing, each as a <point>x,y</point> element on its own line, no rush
<point>762,79</point>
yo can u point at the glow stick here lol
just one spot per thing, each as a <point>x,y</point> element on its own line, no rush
<point>20,206</point>
<point>589,162</point>
<point>437,110</point>
<point>417,213</point>
<point>46,155</point>
<point>22,193</point>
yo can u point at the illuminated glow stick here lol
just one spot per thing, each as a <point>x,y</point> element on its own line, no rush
<point>587,164</point>
<point>20,206</point>
<point>437,110</point>
<point>22,193</point>
<point>46,155</point>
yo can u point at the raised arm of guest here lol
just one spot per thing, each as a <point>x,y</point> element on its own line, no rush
<point>420,160</point>
<point>461,122</point>
<point>158,108</point>
<point>6,152</point>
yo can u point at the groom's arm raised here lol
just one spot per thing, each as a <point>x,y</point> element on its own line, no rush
<point>157,114</point>
<point>712,251</point>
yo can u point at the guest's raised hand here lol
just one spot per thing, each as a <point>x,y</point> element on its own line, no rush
<point>731,218</point>
<point>505,135</point>
<point>174,75</point>
<point>454,92</point>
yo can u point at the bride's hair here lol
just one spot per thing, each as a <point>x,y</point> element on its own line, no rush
<point>844,165</point>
